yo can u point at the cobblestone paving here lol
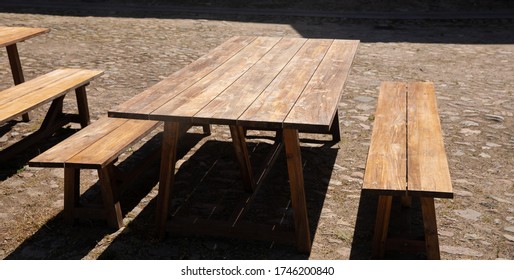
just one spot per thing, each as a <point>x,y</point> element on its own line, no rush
<point>471,64</point>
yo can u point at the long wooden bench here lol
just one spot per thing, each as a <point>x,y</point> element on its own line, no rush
<point>98,146</point>
<point>407,159</point>
<point>53,86</point>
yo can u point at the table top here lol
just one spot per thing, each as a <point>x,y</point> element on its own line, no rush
<point>13,35</point>
<point>259,82</point>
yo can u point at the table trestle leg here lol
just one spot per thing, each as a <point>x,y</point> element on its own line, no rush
<point>167,174</point>
<point>296,182</point>
<point>82,105</point>
<point>242,156</point>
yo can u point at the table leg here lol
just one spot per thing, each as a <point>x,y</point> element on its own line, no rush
<point>17,72</point>
<point>82,105</point>
<point>296,182</point>
<point>167,174</point>
<point>238,139</point>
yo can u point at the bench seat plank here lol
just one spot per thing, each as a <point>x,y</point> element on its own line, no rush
<point>427,162</point>
<point>109,147</point>
<point>386,167</point>
<point>31,94</point>
<point>97,140</point>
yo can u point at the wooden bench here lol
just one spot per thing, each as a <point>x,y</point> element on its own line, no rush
<point>94,147</point>
<point>407,158</point>
<point>98,146</point>
<point>53,86</point>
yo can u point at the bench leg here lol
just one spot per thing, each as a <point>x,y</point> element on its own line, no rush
<point>335,130</point>
<point>206,129</point>
<point>381,225</point>
<point>171,135</point>
<point>241,151</point>
<point>430,225</point>
<point>17,71</point>
<point>71,193</point>
<point>296,182</point>
<point>82,105</point>
<point>111,203</point>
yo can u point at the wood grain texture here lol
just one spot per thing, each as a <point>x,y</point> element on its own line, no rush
<point>111,145</point>
<point>12,35</point>
<point>196,97</point>
<point>270,109</point>
<point>386,166</point>
<point>141,105</point>
<point>224,110</point>
<point>297,185</point>
<point>59,154</point>
<point>427,162</point>
<point>28,95</point>
<point>318,102</point>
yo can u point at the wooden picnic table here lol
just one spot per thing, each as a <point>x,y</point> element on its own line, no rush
<point>271,83</point>
<point>9,37</point>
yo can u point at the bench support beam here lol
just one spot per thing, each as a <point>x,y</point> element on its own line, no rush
<point>381,225</point>
<point>430,225</point>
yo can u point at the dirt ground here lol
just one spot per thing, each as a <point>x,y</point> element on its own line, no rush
<point>471,63</point>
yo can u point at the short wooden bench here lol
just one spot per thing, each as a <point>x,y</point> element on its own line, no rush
<point>97,146</point>
<point>407,158</point>
<point>53,86</point>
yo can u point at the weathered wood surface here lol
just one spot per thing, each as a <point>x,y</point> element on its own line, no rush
<point>96,145</point>
<point>407,150</point>
<point>12,35</point>
<point>261,82</point>
<point>24,97</point>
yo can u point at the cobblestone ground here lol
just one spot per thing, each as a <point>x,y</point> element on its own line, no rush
<point>470,62</point>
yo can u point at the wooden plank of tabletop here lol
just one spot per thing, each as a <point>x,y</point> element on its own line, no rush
<point>427,164</point>
<point>12,35</point>
<point>141,105</point>
<point>225,109</point>
<point>271,108</point>
<point>192,100</point>
<point>318,103</point>
<point>386,164</point>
